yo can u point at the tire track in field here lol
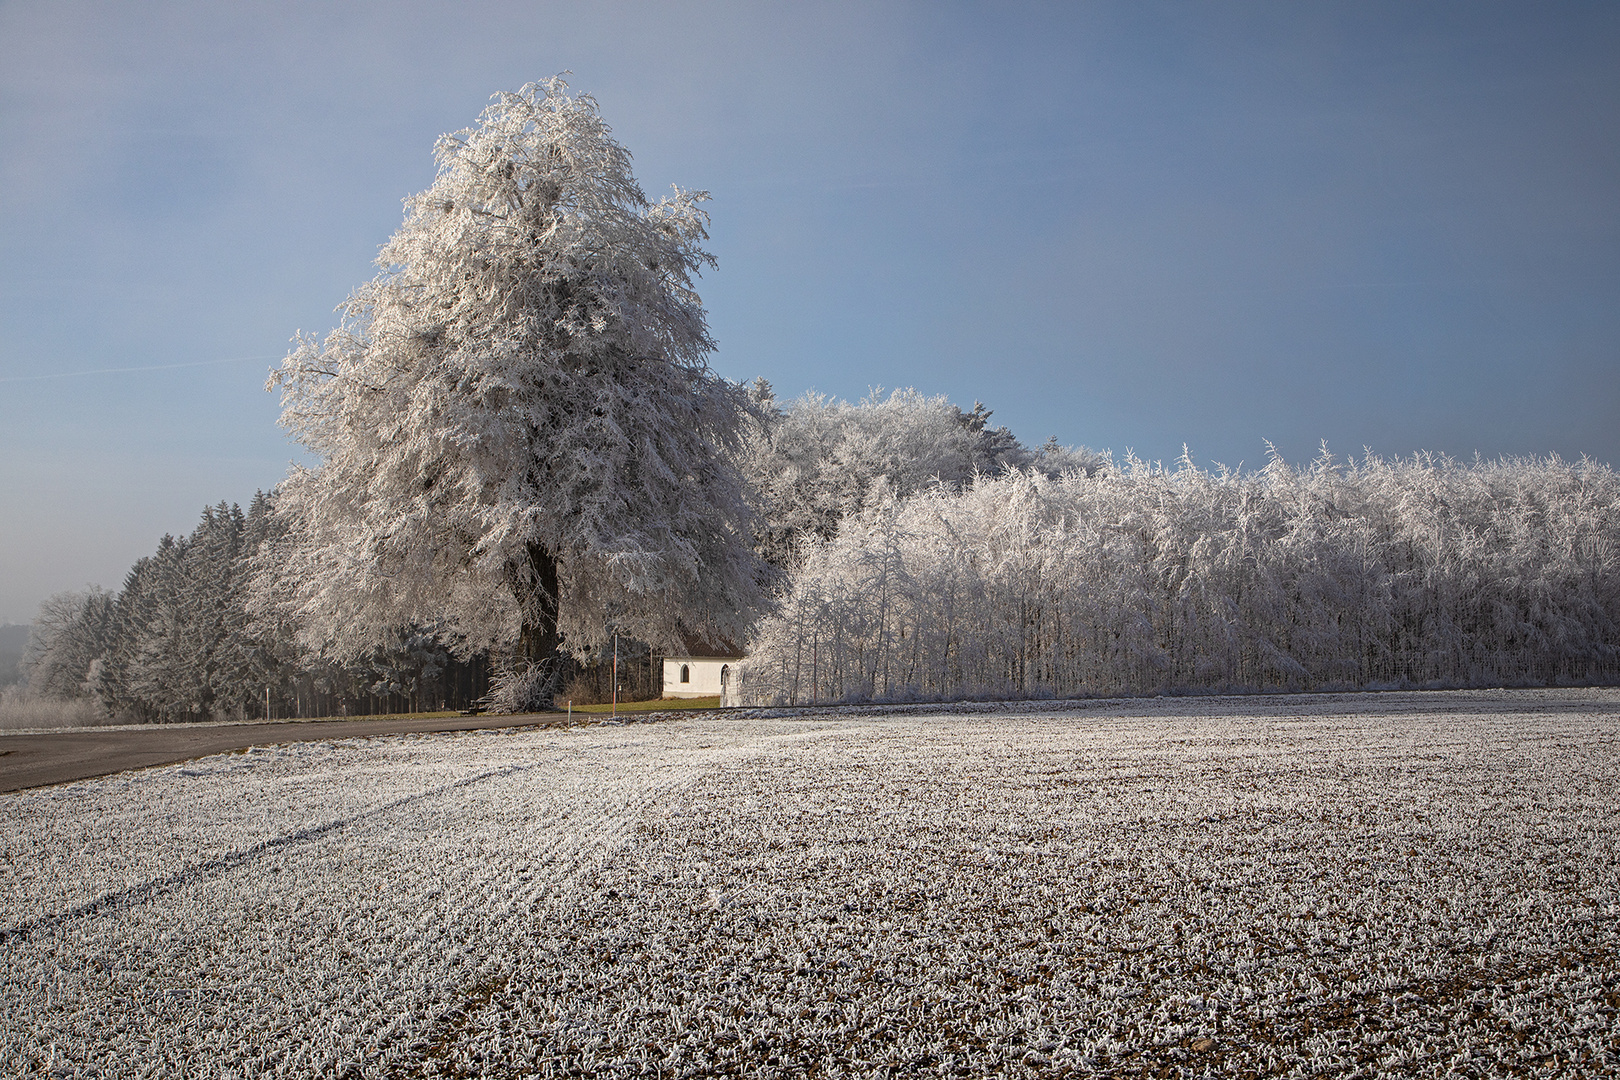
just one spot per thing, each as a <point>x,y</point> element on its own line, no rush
<point>146,891</point>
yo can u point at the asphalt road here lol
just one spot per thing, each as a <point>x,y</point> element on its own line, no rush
<point>34,760</point>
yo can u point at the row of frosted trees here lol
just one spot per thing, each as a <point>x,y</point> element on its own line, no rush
<point>815,461</point>
<point>172,643</point>
<point>178,642</point>
<point>190,635</point>
<point>1139,578</point>
<point>1014,573</point>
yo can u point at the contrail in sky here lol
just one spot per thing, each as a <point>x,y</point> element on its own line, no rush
<point>122,370</point>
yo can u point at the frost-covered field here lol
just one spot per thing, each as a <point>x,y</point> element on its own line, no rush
<point>1406,884</point>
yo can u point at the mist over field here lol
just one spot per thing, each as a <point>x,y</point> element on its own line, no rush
<point>13,643</point>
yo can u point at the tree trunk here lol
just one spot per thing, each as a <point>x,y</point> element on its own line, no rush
<point>538,639</point>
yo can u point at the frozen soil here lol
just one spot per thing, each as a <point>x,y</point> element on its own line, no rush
<point>1395,885</point>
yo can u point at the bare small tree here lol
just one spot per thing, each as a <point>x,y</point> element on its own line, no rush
<point>70,635</point>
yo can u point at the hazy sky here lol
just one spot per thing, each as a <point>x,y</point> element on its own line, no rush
<point>1127,225</point>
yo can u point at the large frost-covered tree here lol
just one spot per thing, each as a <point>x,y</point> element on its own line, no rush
<point>521,441</point>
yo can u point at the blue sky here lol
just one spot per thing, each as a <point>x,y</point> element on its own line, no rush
<point>1126,225</point>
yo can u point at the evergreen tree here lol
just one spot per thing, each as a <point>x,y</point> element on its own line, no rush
<point>182,646</point>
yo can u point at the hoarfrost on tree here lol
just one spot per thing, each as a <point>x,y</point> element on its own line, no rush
<point>66,643</point>
<point>521,440</point>
<point>817,460</point>
<point>1420,572</point>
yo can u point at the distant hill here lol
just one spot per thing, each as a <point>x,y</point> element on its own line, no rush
<point>13,640</point>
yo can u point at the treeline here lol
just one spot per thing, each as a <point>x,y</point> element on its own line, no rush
<point>815,461</point>
<point>180,642</point>
<point>192,634</point>
<point>1138,578</point>
<point>918,551</point>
